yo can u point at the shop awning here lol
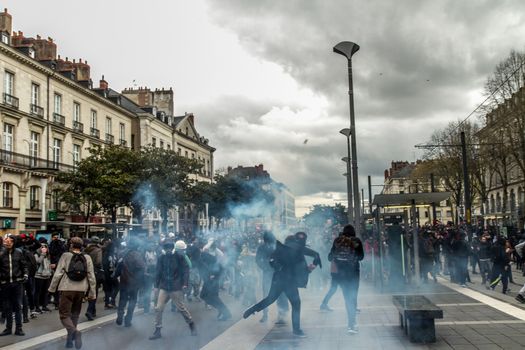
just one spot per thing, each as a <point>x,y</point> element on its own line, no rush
<point>401,199</point>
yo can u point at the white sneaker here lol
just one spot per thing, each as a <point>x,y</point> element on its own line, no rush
<point>353,330</point>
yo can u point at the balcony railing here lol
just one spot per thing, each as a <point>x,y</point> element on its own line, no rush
<point>110,139</point>
<point>7,202</point>
<point>26,161</point>
<point>36,110</point>
<point>59,119</point>
<point>78,126</point>
<point>95,133</point>
<point>123,142</point>
<point>11,100</point>
<point>34,205</point>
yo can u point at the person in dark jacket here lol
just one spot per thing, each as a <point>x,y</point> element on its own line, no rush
<point>171,279</point>
<point>28,302</point>
<point>291,273</point>
<point>13,273</point>
<point>111,283</point>
<point>262,258</point>
<point>211,272</point>
<point>484,255</point>
<point>131,272</point>
<point>347,251</point>
<point>56,249</point>
<point>460,250</point>
<point>500,263</point>
<point>94,250</point>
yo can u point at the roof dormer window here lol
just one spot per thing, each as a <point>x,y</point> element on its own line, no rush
<point>5,38</point>
<point>31,52</point>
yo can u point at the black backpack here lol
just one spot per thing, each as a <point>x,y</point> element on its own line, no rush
<point>345,257</point>
<point>77,269</point>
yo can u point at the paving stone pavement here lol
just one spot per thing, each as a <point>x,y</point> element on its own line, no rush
<point>467,324</point>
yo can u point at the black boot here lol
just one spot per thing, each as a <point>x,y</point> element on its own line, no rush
<point>19,331</point>
<point>192,328</point>
<point>156,334</point>
<point>7,331</point>
<point>69,341</point>
<point>249,311</point>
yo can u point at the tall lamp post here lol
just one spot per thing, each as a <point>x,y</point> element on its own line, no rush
<point>347,49</point>
<point>348,175</point>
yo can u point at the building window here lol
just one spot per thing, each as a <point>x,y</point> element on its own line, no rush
<point>186,130</point>
<point>5,38</point>
<point>161,144</point>
<point>186,154</point>
<point>7,196</point>
<point>76,154</point>
<point>154,142</point>
<point>7,143</point>
<point>132,141</point>
<point>33,198</point>
<point>179,151</point>
<point>168,146</point>
<point>108,126</point>
<point>33,148</point>
<point>9,83</point>
<point>55,199</point>
<point>76,112</point>
<point>93,119</point>
<point>57,149</point>
<point>122,131</point>
<point>58,104</point>
<point>35,94</point>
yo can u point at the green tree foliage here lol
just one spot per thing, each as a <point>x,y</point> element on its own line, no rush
<point>167,176</point>
<point>320,214</point>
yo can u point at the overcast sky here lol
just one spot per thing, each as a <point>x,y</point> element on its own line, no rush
<point>265,86</point>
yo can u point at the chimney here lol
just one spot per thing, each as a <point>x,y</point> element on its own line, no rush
<point>103,84</point>
<point>6,23</point>
<point>66,68</point>
<point>45,50</point>
<point>83,72</point>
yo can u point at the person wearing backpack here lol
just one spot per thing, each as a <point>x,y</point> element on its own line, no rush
<point>426,255</point>
<point>130,269</point>
<point>74,276</point>
<point>347,251</point>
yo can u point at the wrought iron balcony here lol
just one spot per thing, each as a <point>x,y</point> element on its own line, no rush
<point>8,158</point>
<point>78,126</point>
<point>36,110</point>
<point>95,132</point>
<point>110,139</point>
<point>59,119</point>
<point>123,142</point>
<point>11,100</point>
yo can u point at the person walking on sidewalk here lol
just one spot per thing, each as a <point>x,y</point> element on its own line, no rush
<point>95,252</point>
<point>171,279</point>
<point>131,272</point>
<point>500,264</point>
<point>485,247</point>
<point>347,251</point>
<point>42,278</point>
<point>13,274</point>
<point>74,276</point>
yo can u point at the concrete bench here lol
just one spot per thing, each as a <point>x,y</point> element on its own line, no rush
<point>416,316</point>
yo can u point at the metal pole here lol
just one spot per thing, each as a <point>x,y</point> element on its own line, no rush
<point>349,184</point>
<point>416,242</point>
<point>370,194</point>
<point>433,189</point>
<point>466,185</point>
<point>355,178</point>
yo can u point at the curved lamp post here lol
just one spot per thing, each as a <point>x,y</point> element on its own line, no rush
<point>348,49</point>
<point>348,175</point>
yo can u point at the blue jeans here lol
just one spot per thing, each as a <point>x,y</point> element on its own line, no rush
<point>128,296</point>
<point>350,288</point>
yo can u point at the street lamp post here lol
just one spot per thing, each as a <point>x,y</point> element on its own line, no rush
<point>347,49</point>
<point>348,175</point>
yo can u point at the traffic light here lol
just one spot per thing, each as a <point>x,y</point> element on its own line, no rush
<point>7,223</point>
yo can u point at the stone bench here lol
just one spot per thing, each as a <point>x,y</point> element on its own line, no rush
<point>416,315</point>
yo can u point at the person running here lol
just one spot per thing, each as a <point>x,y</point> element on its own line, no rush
<point>291,273</point>
<point>74,276</point>
<point>171,279</point>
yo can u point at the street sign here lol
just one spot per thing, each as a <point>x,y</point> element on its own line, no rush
<point>52,215</point>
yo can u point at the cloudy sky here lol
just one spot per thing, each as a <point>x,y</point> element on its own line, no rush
<point>265,86</point>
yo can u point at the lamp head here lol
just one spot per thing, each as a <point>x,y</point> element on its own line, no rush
<point>346,131</point>
<point>346,48</point>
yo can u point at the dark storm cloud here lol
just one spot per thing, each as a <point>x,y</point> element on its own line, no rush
<point>419,67</point>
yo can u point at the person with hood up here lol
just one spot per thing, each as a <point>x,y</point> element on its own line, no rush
<point>347,251</point>
<point>171,280</point>
<point>130,269</point>
<point>291,273</point>
<point>262,259</point>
